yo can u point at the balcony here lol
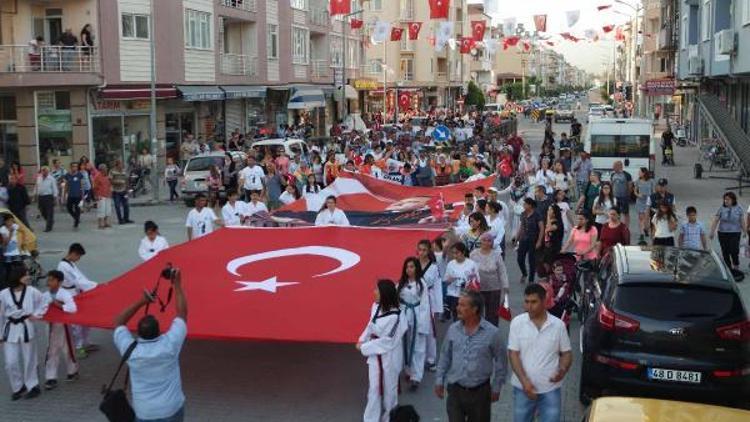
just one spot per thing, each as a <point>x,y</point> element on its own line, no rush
<point>664,41</point>
<point>246,5</point>
<point>51,65</point>
<point>441,76</point>
<point>319,16</point>
<point>238,64</point>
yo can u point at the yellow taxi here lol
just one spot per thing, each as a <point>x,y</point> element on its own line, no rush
<point>633,409</point>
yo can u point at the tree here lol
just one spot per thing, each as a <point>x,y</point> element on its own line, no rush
<point>475,96</point>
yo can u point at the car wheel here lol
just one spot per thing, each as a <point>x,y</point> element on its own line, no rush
<point>585,393</point>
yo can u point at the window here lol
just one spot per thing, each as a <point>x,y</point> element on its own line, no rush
<point>633,146</point>
<point>407,69</point>
<point>706,21</point>
<point>684,40</point>
<point>376,4</point>
<point>272,42</point>
<point>197,29</point>
<point>135,26</point>
<point>299,4</point>
<point>336,50</point>
<point>300,45</point>
<point>375,66</point>
<point>745,12</point>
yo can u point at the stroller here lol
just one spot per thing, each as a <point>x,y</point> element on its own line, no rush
<point>560,286</point>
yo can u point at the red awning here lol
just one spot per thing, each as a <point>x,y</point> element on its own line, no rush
<point>136,92</point>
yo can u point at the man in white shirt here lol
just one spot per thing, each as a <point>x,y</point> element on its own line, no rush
<point>154,358</point>
<point>60,343</point>
<point>233,212</point>
<point>74,281</point>
<point>200,220</point>
<point>46,196</point>
<point>251,177</point>
<point>540,355</point>
<point>152,243</point>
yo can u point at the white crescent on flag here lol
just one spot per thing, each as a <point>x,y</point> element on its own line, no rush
<point>347,259</point>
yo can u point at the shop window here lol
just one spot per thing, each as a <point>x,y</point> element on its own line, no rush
<point>8,107</point>
<point>54,127</point>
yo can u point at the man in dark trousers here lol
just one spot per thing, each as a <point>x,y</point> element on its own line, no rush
<point>667,141</point>
<point>74,189</point>
<point>46,194</point>
<point>18,200</point>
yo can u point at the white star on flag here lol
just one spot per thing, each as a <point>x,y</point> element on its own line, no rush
<point>269,285</point>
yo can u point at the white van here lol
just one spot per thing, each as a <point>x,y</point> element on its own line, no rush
<point>628,140</point>
<point>293,147</point>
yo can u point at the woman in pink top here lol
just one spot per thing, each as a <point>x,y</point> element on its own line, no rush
<point>583,238</point>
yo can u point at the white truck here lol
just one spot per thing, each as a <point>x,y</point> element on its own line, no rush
<point>628,140</point>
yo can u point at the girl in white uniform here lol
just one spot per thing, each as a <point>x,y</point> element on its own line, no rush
<point>415,304</point>
<point>19,304</point>
<point>381,342</point>
<point>330,215</point>
<point>434,283</point>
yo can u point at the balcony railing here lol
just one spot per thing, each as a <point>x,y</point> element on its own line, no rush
<point>321,68</point>
<point>441,76</point>
<point>407,76</point>
<point>24,58</point>
<point>247,5</point>
<point>319,16</point>
<point>239,64</point>
<point>407,12</point>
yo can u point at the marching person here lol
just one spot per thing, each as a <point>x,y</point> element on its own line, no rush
<point>103,192</point>
<point>201,219</point>
<point>75,282</point>
<point>152,243</point>
<point>434,283</point>
<point>74,193</point>
<point>381,342</point>
<point>255,205</point>
<point>459,273</point>
<point>473,363</point>
<point>60,342</point>
<point>46,195</point>
<point>415,302</point>
<point>493,275</point>
<point>233,212</point>
<point>330,215</point>
<point>252,177</point>
<point>154,358</point>
<point>19,303</point>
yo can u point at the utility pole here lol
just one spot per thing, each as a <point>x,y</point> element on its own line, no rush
<point>154,138</point>
<point>344,30</point>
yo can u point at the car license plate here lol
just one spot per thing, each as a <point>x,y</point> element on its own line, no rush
<point>200,185</point>
<point>673,375</point>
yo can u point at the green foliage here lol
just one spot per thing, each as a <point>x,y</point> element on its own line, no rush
<point>475,97</point>
<point>514,91</point>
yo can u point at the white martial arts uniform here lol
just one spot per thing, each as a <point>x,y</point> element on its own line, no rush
<point>431,278</point>
<point>60,339</point>
<point>76,282</point>
<point>19,347</point>
<point>381,342</point>
<point>232,214</point>
<point>148,249</point>
<point>335,218</point>
<point>415,304</point>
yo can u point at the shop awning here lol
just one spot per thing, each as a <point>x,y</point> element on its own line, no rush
<point>243,91</point>
<point>306,98</point>
<point>201,92</point>
<point>350,92</point>
<point>136,92</point>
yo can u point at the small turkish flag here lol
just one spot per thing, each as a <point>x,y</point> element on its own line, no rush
<point>540,22</point>
<point>603,7</point>
<point>396,34</point>
<point>356,23</point>
<point>526,46</point>
<point>404,100</point>
<point>439,9</point>
<point>512,41</point>
<point>608,28</point>
<point>504,310</point>
<point>414,28</point>
<point>437,207</point>
<point>477,30</point>
<point>341,7</point>
<point>431,40</point>
<point>619,35</point>
<point>467,43</point>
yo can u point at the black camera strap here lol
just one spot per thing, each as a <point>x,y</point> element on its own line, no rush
<point>125,357</point>
<point>155,294</point>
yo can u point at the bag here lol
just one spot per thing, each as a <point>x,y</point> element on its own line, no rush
<point>115,403</point>
<point>504,311</point>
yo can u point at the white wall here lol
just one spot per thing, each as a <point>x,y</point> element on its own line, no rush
<point>272,17</point>
<point>200,64</point>
<point>135,55</point>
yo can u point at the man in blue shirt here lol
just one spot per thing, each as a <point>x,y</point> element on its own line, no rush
<point>154,363</point>
<point>74,192</point>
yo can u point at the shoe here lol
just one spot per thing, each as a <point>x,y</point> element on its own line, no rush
<point>18,394</point>
<point>33,393</point>
<point>523,279</point>
<point>129,222</point>
<point>91,347</point>
<point>81,353</point>
<point>47,230</point>
<point>50,385</point>
<point>414,386</point>
<point>71,377</point>
<point>432,367</point>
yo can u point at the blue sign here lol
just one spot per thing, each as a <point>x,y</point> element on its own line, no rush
<point>441,133</point>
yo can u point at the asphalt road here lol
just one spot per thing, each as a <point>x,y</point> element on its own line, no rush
<point>254,381</point>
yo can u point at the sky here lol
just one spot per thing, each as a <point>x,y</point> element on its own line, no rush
<point>587,56</point>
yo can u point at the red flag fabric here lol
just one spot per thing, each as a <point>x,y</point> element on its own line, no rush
<point>540,22</point>
<point>504,311</point>
<point>466,45</point>
<point>404,100</point>
<point>431,40</point>
<point>414,28</point>
<point>289,284</point>
<point>608,28</point>
<point>512,40</point>
<point>526,46</point>
<point>451,193</point>
<point>356,23</point>
<point>603,7</point>
<point>396,33</point>
<point>439,9</point>
<point>619,34</point>
<point>437,207</point>
<point>477,30</point>
<point>341,7</point>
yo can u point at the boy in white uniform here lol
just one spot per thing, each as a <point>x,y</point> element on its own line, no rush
<point>232,213</point>
<point>60,340</point>
<point>76,282</point>
<point>18,304</point>
<point>152,243</point>
<point>200,220</point>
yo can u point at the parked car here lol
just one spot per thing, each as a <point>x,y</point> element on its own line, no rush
<point>595,113</point>
<point>292,146</point>
<point>636,409</point>
<point>195,174</point>
<point>670,324</point>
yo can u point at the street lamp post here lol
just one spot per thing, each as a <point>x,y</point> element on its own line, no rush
<point>154,139</point>
<point>344,34</point>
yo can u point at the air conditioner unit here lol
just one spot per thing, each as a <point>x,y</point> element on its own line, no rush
<point>695,65</point>
<point>726,41</point>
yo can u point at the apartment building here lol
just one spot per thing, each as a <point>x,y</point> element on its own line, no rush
<point>657,59</point>
<point>434,78</point>
<point>221,66</point>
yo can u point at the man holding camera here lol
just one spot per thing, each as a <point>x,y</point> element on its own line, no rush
<point>154,362</point>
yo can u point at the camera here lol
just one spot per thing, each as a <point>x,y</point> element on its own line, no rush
<point>168,272</point>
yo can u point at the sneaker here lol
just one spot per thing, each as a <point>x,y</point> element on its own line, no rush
<point>81,353</point>
<point>18,394</point>
<point>432,367</point>
<point>91,347</point>
<point>50,385</point>
<point>129,222</point>
<point>72,377</point>
<point>33,393</point>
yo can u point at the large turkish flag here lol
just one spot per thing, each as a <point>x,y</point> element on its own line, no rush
<point>450,193</point>
<point>292,284</point>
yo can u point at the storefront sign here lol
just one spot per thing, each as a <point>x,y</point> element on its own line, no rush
<point>660,87</point>
<point>114,105</point>
<point>365,84</point>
